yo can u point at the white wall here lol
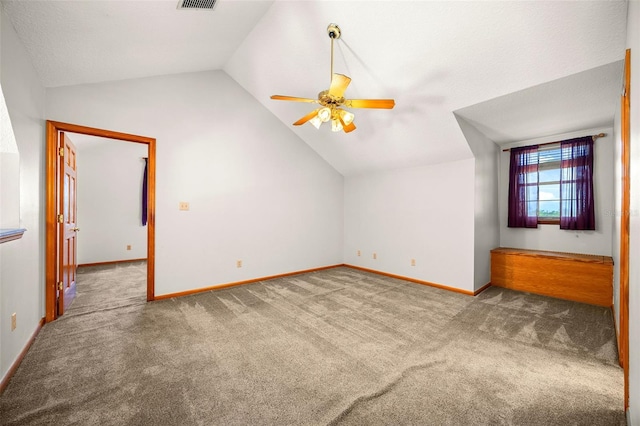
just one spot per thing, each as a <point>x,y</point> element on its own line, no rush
<point>9,170</point>
<point>421,213</point>
<point>486,227</point>
<point>257,192</point>
<point>22,261</point>
<point>110,222</point>
<point>551,237</point>
<point>633,43</point>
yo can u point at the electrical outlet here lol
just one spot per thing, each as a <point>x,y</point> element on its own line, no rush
<point>128,246</point>
<point>239,263</point>
<point>375,256</point>
<point>413,262</point>
<point>183,205</point>
<point>358,252</point>
<point>13,321</point>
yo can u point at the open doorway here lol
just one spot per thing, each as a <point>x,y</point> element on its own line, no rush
<point>111,223</point>
<point>62,256</point>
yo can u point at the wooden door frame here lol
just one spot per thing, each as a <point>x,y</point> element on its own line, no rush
<point>625,130</point>
<point>51,269</point>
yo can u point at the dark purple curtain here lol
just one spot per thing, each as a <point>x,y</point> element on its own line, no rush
<point>523,187</point>
<point>577,209</point>
<point>144,193</point>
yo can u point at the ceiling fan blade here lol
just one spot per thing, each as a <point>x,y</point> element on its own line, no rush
<point>339,84</point>
<point>370,103</point>
<point>292,98</point>
<point>306,118</point>
<point>348,127</point>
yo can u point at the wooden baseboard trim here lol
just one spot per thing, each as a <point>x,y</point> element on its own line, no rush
<point>14,367</point>
<point>481,289</point>
<point>112,262</point>
<point>615,329</point>
<point>234,284</point>
<point>414,280</point>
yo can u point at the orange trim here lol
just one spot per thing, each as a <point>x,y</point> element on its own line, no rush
<point>623,340</point>
<point>481,289</point>
<point>14,367</point>
<point>112,262</point>
<point>51,255</point>
<point>234,284</point>
<point>414,280</point>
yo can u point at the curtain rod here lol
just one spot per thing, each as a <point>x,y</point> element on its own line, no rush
<point>599,135</point>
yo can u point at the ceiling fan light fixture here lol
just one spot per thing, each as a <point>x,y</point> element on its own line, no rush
<point>347,116</point>
<point>332,99</point>
<point>324,114</point>
<point>316,122</point>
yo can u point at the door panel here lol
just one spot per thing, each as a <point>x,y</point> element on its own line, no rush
<point>68,227</point>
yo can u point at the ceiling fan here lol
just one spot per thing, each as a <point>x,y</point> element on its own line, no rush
<point>332,101</point>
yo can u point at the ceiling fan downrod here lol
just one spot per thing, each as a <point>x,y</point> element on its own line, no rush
<point>334,33</point>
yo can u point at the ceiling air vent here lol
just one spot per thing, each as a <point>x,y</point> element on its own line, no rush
<point>197,4</point>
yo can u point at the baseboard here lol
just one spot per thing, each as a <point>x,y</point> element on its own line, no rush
<point>630,418</point>
<point>481,289</point>
<point>615,328</point>
<point>237,283</point>
<point>386,274</point>
<point>112,262</point>
<point>417,281</point>
<point>14,367</point>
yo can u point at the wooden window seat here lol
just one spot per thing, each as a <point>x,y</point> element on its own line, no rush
<point>578,277</point>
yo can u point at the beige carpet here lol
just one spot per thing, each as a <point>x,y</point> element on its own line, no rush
<point>339,346</point>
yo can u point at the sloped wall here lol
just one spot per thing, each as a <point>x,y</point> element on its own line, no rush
<point>257,193</point>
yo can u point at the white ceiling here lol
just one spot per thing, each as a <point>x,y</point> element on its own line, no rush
<point>580,101</point>
<point>75,42</point>
<point>516,69</point>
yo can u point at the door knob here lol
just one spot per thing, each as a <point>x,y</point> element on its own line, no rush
<point>75,229</point>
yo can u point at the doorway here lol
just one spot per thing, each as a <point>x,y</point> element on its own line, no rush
<point>55,228</point>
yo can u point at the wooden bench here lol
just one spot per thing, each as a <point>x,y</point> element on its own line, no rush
<point>579,277</point>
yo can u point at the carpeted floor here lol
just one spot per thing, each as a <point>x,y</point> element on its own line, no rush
<point>338,346</point>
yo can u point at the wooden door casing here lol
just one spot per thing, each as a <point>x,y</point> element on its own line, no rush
<point>53,195</point>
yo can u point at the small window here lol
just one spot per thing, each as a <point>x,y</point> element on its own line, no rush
<point>552,184</point>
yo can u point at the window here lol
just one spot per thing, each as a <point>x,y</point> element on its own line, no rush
<point>552,184</point>
<point>549,161</point>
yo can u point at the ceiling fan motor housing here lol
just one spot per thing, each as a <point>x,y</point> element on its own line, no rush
<point>326,99</point>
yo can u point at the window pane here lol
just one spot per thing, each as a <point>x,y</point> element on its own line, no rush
<point>532,177</point>
<point>549,209</point>
<point>551,175</point>
<point>549,192</point>
<point>532,208</point>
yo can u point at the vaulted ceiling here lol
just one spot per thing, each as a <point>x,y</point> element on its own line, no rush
<point>516,70</point>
